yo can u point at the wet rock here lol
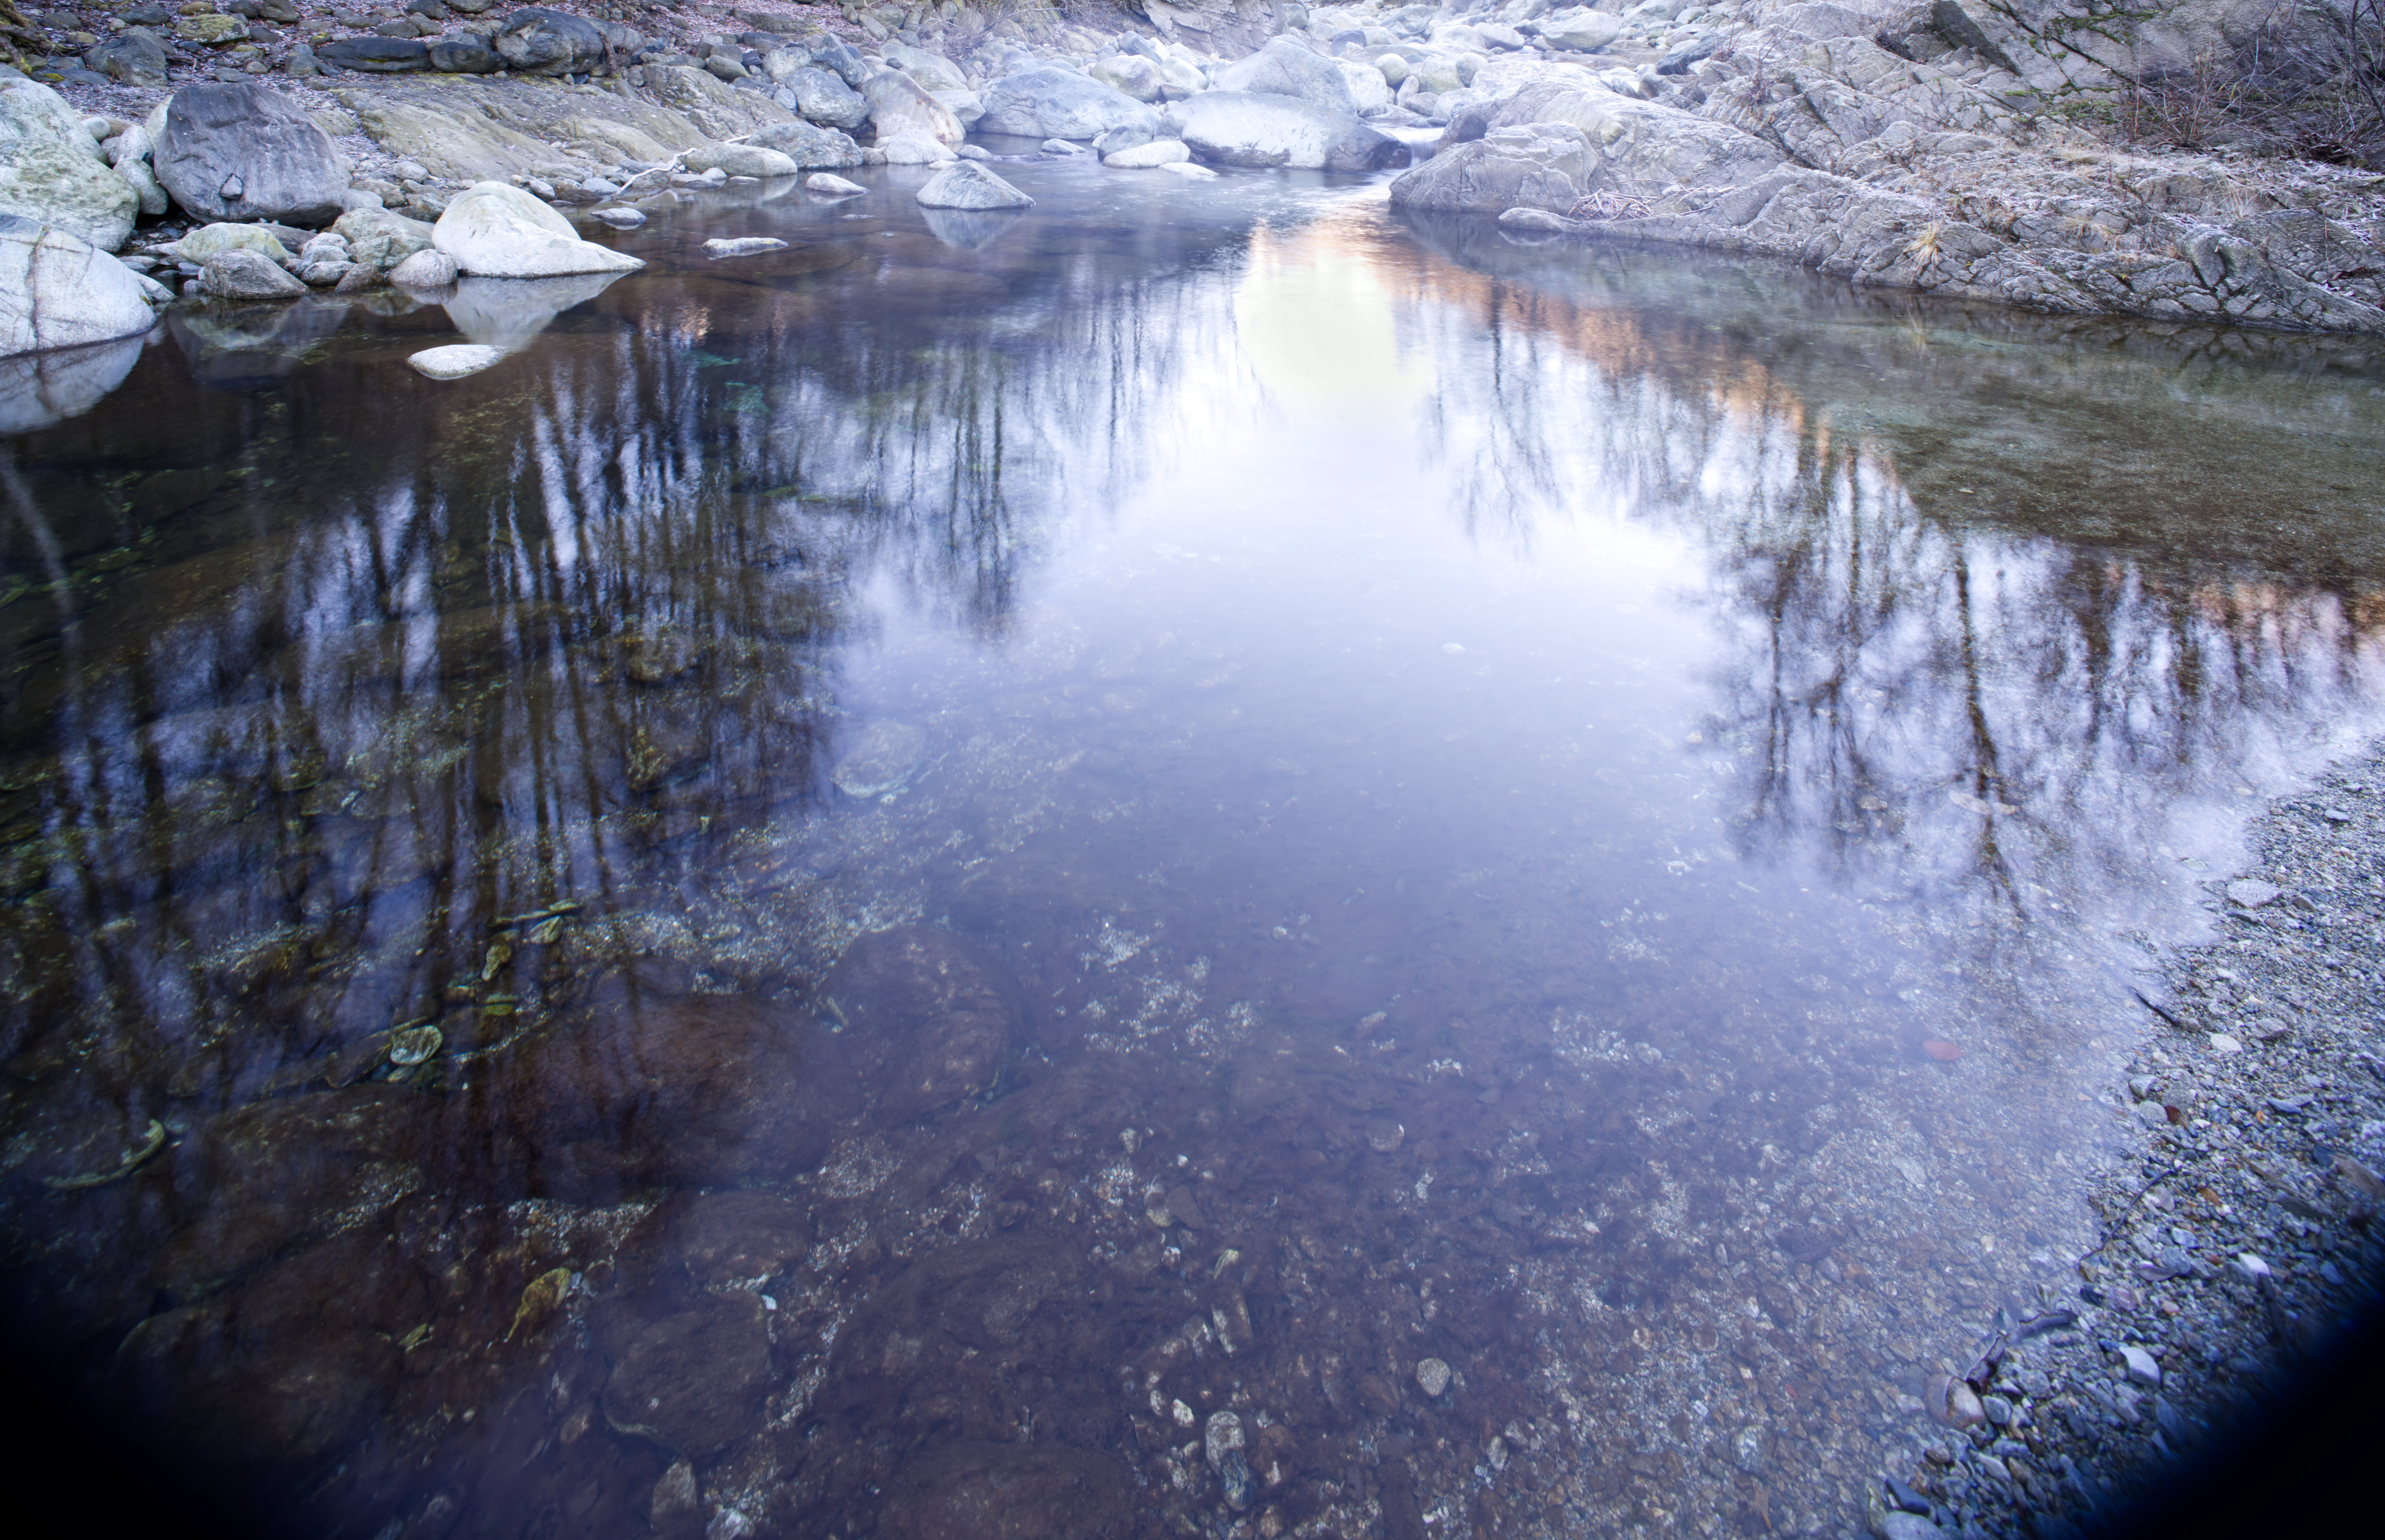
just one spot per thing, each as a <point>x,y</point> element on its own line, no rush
<point>1007,1491</point>
<point>52,171</point>
<point>930,1018</point>
<point>286,1368</point>
<point>692,1381</point>
<point>494,230</point>
<point>831,185</point>
<point>719,1239</point>
<point>677,1509</point>
<point>657,1089</point>
<point>1221,1437</point>
<point>968,185</point>
<point>57,290</point>
<point>246,153</point>
<point>279,1174</point>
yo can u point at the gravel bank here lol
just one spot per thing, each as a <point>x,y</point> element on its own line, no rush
<point>2239,1252</point>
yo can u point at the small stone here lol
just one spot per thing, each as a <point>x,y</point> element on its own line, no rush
<point>2140,1365</point>
<point>456,360</point>
<point>2250,1265</point>
<point>1999,1411</point>
<point>2250,892</point>
<point>1432,1376</point>
<point>622,219</point>
<point>414,1045</point>
<point>832,185</point>
<point>748,245</point>
<point>1952,1402</point>
<point>1223,1437</point>
<point>2223,1043</point>
<point>1910,1526</point>
<point>1383,1135</point>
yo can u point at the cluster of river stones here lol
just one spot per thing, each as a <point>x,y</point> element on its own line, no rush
<point>1930,149</point>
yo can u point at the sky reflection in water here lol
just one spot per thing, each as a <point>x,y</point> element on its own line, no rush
<point>1583,815</point>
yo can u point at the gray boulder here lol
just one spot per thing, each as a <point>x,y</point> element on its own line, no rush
<point>1581,31</point>
<point>834,54</point>
<point>931,69</point>
<point>1543,166</point>
<point>540,42</point>
<point>52,172</point>
<point>740,161</point>
<point>821,97</point>
<point>245,152</point>
<point>57,290</point>
<point>1285,68</point>
<point>966,184</point>
<point>132,57</point>
<point>247,275</point>
<point>1053,103</point>
<point>809,145</point>
<point>379,239</point>
<point>464,54</point>
<point>424,269</point>
<point>375,55</point>
<point>1248,128</point>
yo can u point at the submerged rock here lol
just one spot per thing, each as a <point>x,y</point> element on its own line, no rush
<point>749,245</point>
<point>692,1381</point>
<point>881,759</point>
<point>931,1019</point>
<point>456,360</point>
<point>1008,1491</point>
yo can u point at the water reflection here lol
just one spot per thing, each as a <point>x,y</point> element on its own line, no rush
<point>964,868</point>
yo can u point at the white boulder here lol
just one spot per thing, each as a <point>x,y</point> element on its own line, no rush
<point>966,184</point>
<point>1144,158</point>
<point>52,172</point>
<point>494,230</point>
<point>1249,128</point>
<point>456,360</point>
<point>57,290</point>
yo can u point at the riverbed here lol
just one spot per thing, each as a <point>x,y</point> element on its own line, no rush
<point>1203,859</point>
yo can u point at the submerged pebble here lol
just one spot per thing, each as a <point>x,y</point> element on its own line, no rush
<point>1432,1376</point>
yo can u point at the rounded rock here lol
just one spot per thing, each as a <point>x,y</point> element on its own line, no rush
<point>456,360</point>
<point>1432,1376</point>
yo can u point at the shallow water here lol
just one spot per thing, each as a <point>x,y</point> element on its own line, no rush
<point>1176,805</point>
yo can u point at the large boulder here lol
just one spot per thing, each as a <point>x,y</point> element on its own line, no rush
<point>1286,68</point>
<point>1248,128</point>
<point>819,96</point>
<point>540,42</point>
<point>1131,73</point>
<point>246,152</point>
<point>1533,166</point>
<point>494,230</point>
<point>967,184</point>
<point>1581,32</point>
<point>1053,103</point>
<point>740,160</point>
<point>899,104</point>
<point>57,290</point>
<point>379,239</point>
<point>52,172</point>
<point>931,69</point>
<point>809,145</point>
<point>717,109</point>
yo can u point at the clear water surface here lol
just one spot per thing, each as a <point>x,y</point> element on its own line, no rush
<point>1203,861</point>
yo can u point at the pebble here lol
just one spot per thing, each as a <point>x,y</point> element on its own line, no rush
<point>1432,1375</point>
<point>2250,1265</point>
<point>1223,1437</point>
<point>1998,1410</point>
<point>1953,1403</point>
<point>2140,1365</point>
<point>2223,1043</point>
<point>2250,892</point>
<point>456,360</point>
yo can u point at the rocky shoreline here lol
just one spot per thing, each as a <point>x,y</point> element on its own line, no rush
<point>1935,148</point>
<point>2240,1250</point>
